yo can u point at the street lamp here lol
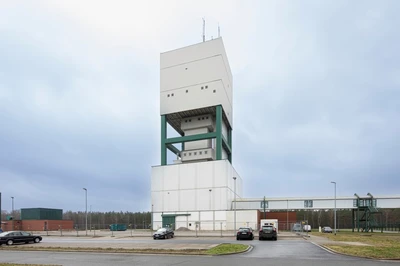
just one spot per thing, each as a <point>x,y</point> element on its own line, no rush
<point>335,206</point>
<point>234,215</point>
<point>85,208</point>
<point>12,213</point>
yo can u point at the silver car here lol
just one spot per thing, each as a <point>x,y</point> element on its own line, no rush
<point>327,229</point>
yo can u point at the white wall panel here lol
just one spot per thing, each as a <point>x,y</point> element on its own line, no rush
<point>195,98</point>
<point>196,52</point>
<point>193,73</point>
<point>157,174</point>
<point>187,176</point>
<point>171,177</point>
<point>207,216</point>
<point>205,175</point>
<point>188,200</point>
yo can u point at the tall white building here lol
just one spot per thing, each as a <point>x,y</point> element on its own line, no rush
<point>198,188</point>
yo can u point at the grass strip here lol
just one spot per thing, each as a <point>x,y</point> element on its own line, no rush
<point>218,250</point>
<point>368,252</point>
<point>227,249</point>
<point>381,245</point>
<point>15,264</point>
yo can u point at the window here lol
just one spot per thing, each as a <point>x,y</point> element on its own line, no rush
<point>202,118</point>
<point>185,121</point>
<point>200,152</point>
<point>184,154</point>
<point>187,91</point>
<point>168,95</point>
<point>172,94</point>
<point>195,153</point>
<point>190,120</point>
<point>207,117</point>
<point>202,87</point>
<point>206,87</point>
<point>198,118</point>
<point>214,91</point>
<point>190,154</point>
<point>205,152</point>
<point>308,204</point>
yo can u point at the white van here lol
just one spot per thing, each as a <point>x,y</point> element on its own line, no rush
<point>307,228</point>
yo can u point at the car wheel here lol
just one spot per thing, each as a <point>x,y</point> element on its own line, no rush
<point>252,237</point>
<point>36,240</point>
<point>260,238</point>
<point>237,238</point>
<point>10,242</point>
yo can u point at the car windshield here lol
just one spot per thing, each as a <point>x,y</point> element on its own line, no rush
<point>267,229</point>
<point>161,230</point>
<point>4,234</point>
<point>244,229</point>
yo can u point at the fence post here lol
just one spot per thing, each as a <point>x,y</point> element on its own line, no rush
<point>221,228</point>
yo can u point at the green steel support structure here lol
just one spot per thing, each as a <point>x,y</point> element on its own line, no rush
<point>163,139</point>
<point>220,143</point>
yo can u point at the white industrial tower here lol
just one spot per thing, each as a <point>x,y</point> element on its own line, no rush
<point>198,188</point>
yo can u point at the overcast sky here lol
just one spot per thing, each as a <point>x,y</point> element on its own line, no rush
<point>316,97</point>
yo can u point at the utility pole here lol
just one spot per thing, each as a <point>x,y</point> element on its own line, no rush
<point>335,206</point>
<point>234,218</point>
<point>85,209</point>
<point>12,213</point>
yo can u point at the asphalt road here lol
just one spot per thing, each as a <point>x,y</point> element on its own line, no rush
<point>281,252</point>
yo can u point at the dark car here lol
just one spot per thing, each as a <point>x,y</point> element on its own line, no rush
<point>244,233</point>
<point>268,232</point>
<point>12,237</point>
<point>326,229</point>
<point>163,233</point>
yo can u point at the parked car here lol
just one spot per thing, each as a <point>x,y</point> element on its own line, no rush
<point>163,233</point>
<point>12,237</point>
<point>307,228</point>
<point>244,233</point>
<point>327,229</point>
<point>296,228</point>
<point>268,232</point>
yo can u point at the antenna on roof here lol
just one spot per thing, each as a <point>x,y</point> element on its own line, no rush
<point>204,30</point>
<point>219,31</point>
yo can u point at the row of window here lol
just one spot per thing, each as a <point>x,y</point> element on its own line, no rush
<point>199,118</point>
<point>185,154</point>
<point>172,95</point>
<point>307,204</point>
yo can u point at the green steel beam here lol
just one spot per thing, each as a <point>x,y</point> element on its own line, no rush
<point>218,123</point>
<point>163,139</point>
<point>225,144</point>
<point>210,135</point>
<point>173,149</point>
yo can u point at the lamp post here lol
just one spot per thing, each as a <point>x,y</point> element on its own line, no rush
<point>234,215</point>
<point>12,212</point>
<point>90,218</point>
<point>85,209</point>
<point>151,228</point>
<point>335,207</point>
<point>209,200</point>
